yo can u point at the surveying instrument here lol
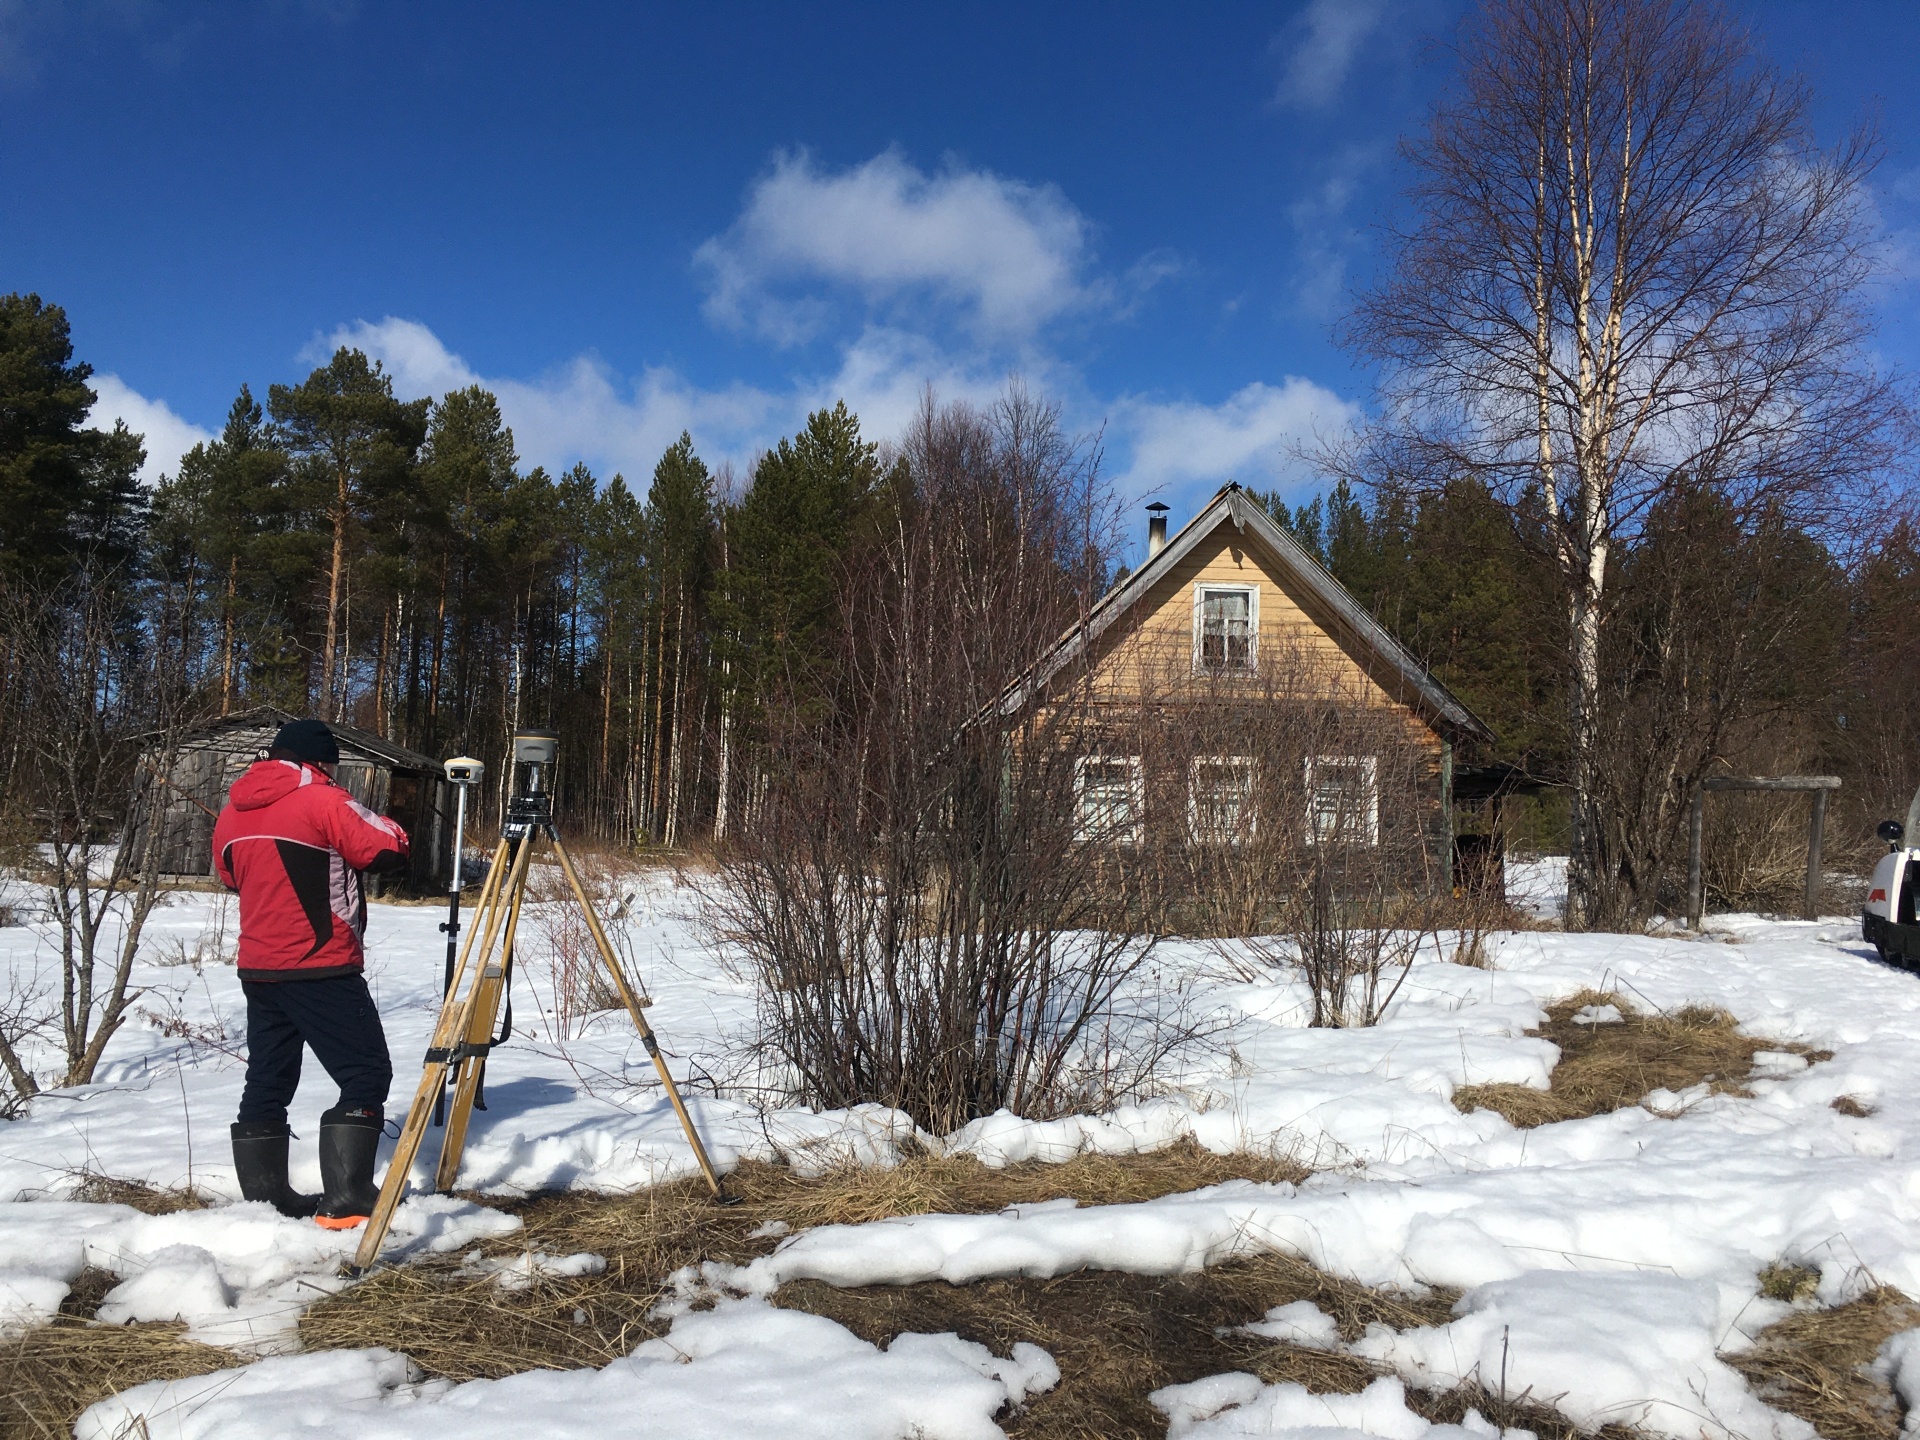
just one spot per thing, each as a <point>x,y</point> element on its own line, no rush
<point>476,985</point>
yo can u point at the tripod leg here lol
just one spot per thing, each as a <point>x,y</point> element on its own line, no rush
<point>632,1002</point>
<point>446,1032</point>
<point>488,991</point>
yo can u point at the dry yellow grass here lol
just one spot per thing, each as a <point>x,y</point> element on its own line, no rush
<point>1609,1067</point>
<point>50,1374</point>
<point>148,1199</point>
<point>1118,1337</point>
<point>1812,1365</point>
<point>465,1327</point>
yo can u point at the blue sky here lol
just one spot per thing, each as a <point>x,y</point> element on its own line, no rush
<point>628,220</point>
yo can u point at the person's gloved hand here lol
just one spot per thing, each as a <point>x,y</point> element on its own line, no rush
<point>388,862</point>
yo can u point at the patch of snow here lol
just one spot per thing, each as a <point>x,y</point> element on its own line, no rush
<point>1898,1363</point>
<point>1537,885</point>
<point>1598,1015</point>
<point>1301,1323</point>
<point>236,1274</point>
<point>1568,1240</point>
<point>520,1272</point>
<point>1635,1349</point>
<point>742,1371</point>
<point>1238,1404</point>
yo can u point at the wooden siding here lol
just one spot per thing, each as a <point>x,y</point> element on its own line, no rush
<point>1154,652</point>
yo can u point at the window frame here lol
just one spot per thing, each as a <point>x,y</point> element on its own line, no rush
<point>1369,767</point>
<point>1135,832</point>
<point>1251,589</point>
<point>1251,816</point>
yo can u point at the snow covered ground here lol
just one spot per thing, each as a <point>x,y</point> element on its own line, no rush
<point>1604,1261</point>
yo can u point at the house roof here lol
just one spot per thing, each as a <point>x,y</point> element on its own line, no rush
<point>1352,627</point>
<point>351,737</point>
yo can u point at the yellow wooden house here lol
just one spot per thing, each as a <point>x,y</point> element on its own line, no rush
<point>1227,631</point>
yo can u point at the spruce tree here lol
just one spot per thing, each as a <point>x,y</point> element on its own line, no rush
<point>812,500</point>
<point>66,489</point>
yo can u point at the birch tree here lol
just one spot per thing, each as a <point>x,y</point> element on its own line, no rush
<point>1628,266</point>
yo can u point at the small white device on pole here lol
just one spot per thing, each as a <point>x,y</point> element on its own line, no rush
<point>465,772</point>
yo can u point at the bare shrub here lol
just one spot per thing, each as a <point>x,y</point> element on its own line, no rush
<point>562,944</point>
<point>928,926</point>
<point>97,704</point>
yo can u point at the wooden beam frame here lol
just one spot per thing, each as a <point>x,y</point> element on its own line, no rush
<point>1819,786</point>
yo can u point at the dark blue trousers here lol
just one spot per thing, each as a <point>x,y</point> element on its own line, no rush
<point>337,1019</point>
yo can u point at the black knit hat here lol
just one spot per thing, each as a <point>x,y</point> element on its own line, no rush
<point>308,740</point>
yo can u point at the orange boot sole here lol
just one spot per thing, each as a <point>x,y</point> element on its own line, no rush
<point>339,1222</point>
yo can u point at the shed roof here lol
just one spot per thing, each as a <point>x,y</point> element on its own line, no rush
<point>351,737</point>
<point>1355,630</point>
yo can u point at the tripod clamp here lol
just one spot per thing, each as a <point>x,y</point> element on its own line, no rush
<point>465,1050</point>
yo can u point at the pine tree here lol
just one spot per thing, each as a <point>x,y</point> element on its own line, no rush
<point>680,522</point>
<point>356,445</point>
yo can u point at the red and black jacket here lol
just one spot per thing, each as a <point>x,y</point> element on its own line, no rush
<point>293,844</point>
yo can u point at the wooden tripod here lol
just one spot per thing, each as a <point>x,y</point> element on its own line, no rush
<point>464,1033</point>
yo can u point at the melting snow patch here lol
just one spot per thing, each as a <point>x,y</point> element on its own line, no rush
<point>1302,1323</point>
<point>519,1272</point>
<point>744,1370</point>
<point>237,1275</point>
<point>1636,1350</point>
<point>1231,1405</point>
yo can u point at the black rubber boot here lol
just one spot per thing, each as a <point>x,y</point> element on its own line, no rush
<point>348,1140</point>
<point>260,1155</point>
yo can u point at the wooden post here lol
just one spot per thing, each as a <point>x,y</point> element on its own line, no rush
<point>1696,879</point>
<point>1815,833</point>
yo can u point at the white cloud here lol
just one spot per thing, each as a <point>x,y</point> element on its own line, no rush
<point>168,437</point>
<point>581,411</point>
<point>1327,234</point>
<point>1326,37</point>
<point>1253,436</point>
<point>1005,253</point>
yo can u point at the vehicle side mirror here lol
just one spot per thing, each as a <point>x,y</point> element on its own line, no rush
<point>1891,831</point>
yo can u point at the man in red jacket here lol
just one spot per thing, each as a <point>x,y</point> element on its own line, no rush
<point>293,844</point>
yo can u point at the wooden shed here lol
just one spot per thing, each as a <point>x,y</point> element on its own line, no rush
<point>387,778</point>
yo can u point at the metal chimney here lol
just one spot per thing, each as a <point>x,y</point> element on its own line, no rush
<point>1156,529</point>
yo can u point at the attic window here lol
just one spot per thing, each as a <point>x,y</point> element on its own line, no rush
<point>1226,622</point>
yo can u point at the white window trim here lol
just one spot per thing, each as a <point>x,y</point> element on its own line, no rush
<point>1195,767</point>
<point>1370,771</point>
<point>1252,591</point>
<point>1137,799</point>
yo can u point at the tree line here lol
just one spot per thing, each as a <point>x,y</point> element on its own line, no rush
<point>388,562</point>
<point>1733,644</point>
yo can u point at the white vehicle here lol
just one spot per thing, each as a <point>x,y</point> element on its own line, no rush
<point>1888,921</point>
